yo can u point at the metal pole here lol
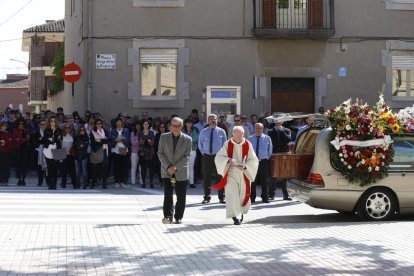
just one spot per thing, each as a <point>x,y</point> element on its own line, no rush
<point>90,55</point>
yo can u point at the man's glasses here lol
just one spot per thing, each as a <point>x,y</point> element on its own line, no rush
<point>176,125</point>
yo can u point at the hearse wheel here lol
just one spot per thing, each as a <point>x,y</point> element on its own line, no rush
<point>377,204</point>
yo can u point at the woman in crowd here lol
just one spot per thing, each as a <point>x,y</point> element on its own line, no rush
<point>157,163</point>
<point>155,125</point>
<point>119,138</point>
<point>191,131</point>
<point>6,143</point>
<point>68,164</point>
<point>80,145</point>
<point>147,153</point>
<point>134,151</point>
<point>21,139</point>
<point>99,140</point>
<point>37,142</point>
<point>52,139</point>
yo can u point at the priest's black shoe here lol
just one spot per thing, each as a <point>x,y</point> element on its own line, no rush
<point>205,201</point>
<point>287,198</point>
<point>236,221</point>
<point>177,221</point>
<point>222,201</point>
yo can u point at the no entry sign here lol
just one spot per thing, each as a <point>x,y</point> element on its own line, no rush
<point>71,72</point>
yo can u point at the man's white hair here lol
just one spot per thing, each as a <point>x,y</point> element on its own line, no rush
<point>212,115</point>
<point>177,120</point>
<point>239,128</point>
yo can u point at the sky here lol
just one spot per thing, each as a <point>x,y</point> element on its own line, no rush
<point>15,16</point>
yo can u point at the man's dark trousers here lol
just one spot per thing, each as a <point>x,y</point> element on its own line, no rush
<point>209,168</point>
<point>261,179</point>
<point>180,191</point>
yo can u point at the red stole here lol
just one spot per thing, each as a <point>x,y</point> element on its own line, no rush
<point>223,181</point>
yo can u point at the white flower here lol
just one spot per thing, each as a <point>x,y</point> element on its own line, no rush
<point>340,155</point>
<point>349,167</point>
<point>363,161</point>
<point>346,155</point>
<point>377,168</point>
<point>382,164</point>
<point>373,157</point>
<point>345,163</point>
<point>348,127</point>
<point>369,169</point>
<point>342,160</point>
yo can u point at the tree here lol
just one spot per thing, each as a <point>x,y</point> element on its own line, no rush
<point>58,64</point>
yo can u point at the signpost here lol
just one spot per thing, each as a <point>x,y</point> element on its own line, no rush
<point>72,73</point>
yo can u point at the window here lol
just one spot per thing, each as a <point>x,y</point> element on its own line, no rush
<point>400,4</point>
<point>403,74</point>
<point>403,154</point>
<point>158,73</point>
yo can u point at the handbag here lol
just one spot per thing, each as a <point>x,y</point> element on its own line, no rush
<point>72,152</point>
<point>59,154</point>
<point>122,151</point>
<point>96,157</point>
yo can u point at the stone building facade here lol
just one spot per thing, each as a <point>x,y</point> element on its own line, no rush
<point>285,55</point>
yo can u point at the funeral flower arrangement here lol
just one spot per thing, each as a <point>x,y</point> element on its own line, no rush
<point>362,146</point>
<point>406,117</point>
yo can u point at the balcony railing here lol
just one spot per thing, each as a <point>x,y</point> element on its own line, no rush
<point>294,18</point>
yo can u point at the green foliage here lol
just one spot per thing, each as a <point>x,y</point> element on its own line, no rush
<point>58,64</point>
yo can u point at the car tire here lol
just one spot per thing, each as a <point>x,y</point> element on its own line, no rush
<point>377,204</point>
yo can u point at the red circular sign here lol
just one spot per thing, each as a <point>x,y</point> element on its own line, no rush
<point>71,72</point>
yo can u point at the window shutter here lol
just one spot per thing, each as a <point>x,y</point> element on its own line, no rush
<point>315,16</point>
<point>269,13</point>
<point>158,56</point>
<point>403,62</point>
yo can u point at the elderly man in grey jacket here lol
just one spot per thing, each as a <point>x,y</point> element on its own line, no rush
<point>174,151</point>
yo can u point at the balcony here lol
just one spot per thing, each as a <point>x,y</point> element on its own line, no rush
<point>294,18</point>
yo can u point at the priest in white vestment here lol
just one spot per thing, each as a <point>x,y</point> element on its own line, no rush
<point>237,163</point>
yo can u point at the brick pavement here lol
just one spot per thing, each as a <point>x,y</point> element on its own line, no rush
<point>119,232</point>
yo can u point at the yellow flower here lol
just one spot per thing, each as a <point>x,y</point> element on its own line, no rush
<point>385,116</point>
<point>395,128</point>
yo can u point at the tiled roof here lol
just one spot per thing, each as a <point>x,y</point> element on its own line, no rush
<point>51,26</point>
<point>15,84</point>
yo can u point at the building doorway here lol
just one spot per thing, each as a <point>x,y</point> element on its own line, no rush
<point>293,95</point>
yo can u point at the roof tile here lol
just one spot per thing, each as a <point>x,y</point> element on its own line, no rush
<point>51,26</point>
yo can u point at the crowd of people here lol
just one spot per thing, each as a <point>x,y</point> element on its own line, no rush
<point>89,149</point>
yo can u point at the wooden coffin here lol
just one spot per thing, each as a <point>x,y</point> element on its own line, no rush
<point>285,165</point>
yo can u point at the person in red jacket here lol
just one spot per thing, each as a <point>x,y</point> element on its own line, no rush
<point>21,139</point>
<point>5,153</point>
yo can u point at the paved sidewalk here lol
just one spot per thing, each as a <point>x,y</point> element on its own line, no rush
<point>119,232</point>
